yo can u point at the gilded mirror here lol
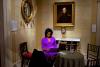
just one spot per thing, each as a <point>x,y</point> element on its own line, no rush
<point>27,10</point>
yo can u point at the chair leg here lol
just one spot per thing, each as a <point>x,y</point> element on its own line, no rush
<point>87,64</point>
<point>22,63</point>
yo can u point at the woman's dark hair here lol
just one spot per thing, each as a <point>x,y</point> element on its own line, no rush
<point>48,30</point>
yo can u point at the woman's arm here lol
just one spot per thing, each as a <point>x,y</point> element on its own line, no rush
<point>44,48</point>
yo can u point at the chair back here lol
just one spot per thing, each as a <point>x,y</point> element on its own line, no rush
<point>92,51</point>
<point>23,48</point>
<point>92,55</point>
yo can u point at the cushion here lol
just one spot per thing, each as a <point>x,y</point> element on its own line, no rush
<point>27,54</point>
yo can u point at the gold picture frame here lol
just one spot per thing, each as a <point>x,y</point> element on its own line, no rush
<point>64,14</point>
<point>27,10</point>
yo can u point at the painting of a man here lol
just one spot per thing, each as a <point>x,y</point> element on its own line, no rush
<point>64,16</point>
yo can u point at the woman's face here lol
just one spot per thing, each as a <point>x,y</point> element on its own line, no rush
<point>49,34</point>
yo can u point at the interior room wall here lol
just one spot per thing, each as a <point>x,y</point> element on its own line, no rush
<point>2,44</point>
<point>39,24</point>
<point>94,21</point>
<point>98,24</point>
<point>44,19</point>
<point>83,21</point>
<point>23,33</point>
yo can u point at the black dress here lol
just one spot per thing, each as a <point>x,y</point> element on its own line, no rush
<point>38,59</point>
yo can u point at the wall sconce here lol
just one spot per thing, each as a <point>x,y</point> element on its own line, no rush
<point>93,27</point>
<point>13,25</point>
<point>63,30</point>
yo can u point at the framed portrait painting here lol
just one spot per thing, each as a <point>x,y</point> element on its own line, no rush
<point>64,14</point>
<point>27,10</point>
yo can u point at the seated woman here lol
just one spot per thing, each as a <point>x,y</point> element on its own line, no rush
<point>49,46</point>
